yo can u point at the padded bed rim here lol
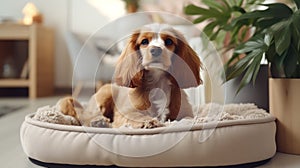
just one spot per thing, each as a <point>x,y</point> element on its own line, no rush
<point>229,145</point>
<point>160,130</point>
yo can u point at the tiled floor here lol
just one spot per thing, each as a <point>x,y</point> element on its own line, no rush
<point>12,155</point>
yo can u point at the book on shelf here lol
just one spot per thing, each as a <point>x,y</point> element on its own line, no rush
<point>25,70</point>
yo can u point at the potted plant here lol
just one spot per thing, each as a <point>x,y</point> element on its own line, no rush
<point>131,5</point>
<point>276,34</point>
<point>218,17</point>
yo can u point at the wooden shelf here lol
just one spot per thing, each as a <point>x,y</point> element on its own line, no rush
<point>14,32</point>
<point>14,82</point>
<point>32,45</point>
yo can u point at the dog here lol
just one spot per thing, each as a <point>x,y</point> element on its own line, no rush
<point>146,90</point>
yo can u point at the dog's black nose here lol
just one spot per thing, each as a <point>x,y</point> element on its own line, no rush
<point>156,51</point>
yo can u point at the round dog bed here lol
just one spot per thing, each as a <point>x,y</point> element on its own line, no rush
<point>221,142</point>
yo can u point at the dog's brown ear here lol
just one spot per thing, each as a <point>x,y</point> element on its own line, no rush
<point>185,64</point>
<point>128,71</point>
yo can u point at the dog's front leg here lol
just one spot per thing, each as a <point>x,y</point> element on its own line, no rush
<point>135,120</point>
<point>70,106</point>
<point>180,108</point>
<point>104,101</point>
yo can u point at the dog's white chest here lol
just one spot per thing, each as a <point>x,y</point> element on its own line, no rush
<point>160,100</point>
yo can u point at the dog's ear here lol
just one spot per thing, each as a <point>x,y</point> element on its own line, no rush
<point>185,64</point>
<point>128,71</point>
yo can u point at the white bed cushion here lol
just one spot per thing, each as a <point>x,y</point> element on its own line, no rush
<point>230,143</point>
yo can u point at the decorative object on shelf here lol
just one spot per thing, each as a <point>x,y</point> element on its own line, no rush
<point>25,70</point>
<point>276,37</point>
<point>9,69</point>
<point>31,14</point>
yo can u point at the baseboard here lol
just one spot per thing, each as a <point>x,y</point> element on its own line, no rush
<point>63,91</point>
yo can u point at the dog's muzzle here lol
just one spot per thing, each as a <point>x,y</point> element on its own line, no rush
<point>155,51</point>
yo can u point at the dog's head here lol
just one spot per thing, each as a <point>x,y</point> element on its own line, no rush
<point>158,46</point>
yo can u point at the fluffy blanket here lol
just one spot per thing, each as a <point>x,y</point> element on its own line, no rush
<point>202,114</point>
<point>53,115</point>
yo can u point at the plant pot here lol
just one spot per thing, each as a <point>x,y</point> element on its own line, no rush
<point>257,93</point>
<point>131,8</point>
<point>284,105</point>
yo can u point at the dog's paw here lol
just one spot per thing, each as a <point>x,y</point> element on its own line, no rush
<point>69,106</point>
<point>100,122</point>
<point>154,123</point>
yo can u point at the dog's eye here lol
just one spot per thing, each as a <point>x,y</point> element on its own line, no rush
<point>145,42</point>
<point>168,42</point>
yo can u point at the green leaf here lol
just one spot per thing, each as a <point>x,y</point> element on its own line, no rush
<point>238,9</point>
<point>208,30</point>
<point>296,28</point>
<point>230,66</point>
<point>271,53</point>
<point>280,10</point>
<point>275,10</point>
<point>251,55</point>
<point>278,62</point>
<point>282,36</point>
<point>254,43</point>
<point>238,68</point>
<point>217,14</point>
<point>226,4</point>
<point>251,72</point>
<point>268,39</point>
<point>245,80</point>
<point>200,19</point>
<point>265,23</point>
<point>297,2</point>
<point>254,49</point>
<point>195,10</point>
<point>232,73</point>
<point>240,3</point>
<point>257,67</point>
<point>290,62</point>
<point>214,35</point>
<point>247,47</point>
<point>215,4</point>
<point>245,18</point>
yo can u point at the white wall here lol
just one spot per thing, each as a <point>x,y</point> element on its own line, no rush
<point>84,16</point>
<point>55,13</point>
<point>81,16</point>
<point>90,15</point>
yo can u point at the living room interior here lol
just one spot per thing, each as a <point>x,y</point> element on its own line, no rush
<point>58,48</point>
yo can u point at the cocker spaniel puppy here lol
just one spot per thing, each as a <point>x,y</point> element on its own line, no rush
<point>154,67</point>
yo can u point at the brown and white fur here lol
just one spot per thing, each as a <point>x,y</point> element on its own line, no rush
<point>154,67</point>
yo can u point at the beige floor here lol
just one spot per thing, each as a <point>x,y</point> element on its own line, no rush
<point>12,155</point>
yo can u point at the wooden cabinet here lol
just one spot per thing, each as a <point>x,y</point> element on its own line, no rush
<point>31,51</point>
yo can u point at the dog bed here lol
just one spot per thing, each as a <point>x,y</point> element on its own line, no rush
<point>220,136</point>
